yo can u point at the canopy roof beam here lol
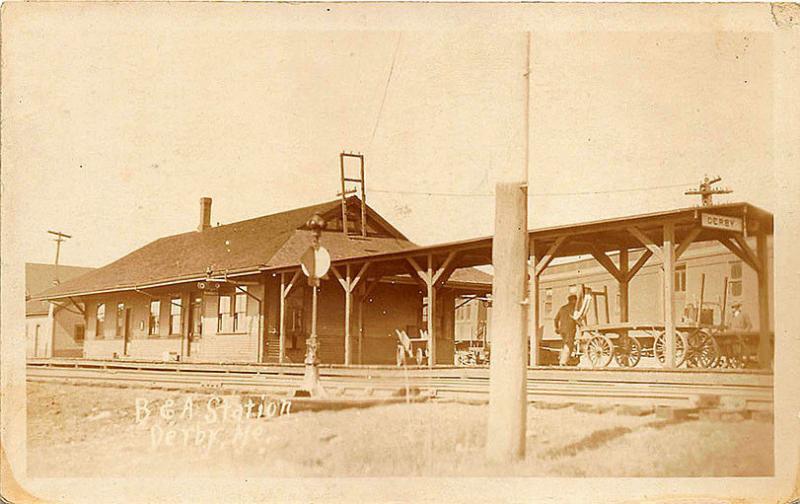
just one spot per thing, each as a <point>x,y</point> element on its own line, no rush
<point>647,242</point>
<point>549,255</point>
<point>731,245</point>
<point>606,263</point>
<point>687,240</point>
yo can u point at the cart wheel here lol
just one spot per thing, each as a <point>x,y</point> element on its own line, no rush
<point>660,348</point>
<point>420,356</point>
<point>401,356</point>
<point>627,351</point>
<point>702,350</point>
<point>600,350</point>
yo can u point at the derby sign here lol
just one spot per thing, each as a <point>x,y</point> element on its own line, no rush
<point>723,222</point>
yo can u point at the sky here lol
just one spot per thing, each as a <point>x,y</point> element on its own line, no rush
<point>113,133</point>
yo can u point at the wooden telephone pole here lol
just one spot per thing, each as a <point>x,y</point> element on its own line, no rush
<point>706,190</point>
<point>508,366</point>
<point>59,239</point>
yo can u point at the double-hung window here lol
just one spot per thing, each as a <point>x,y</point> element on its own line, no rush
<point>224,313</point>
<point>175,315</point>
<point>736,279</point>
<point>680,277</point>
<point>240,311</point>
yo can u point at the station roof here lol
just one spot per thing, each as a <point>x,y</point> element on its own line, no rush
<point>274,243</point>
<point>246,247</point>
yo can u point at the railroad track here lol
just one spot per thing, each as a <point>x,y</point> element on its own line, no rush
<point>678,387</point>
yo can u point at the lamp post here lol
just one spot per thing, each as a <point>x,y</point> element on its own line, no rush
<point>314,268</point>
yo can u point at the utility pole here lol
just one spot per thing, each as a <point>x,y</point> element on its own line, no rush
<point>706,191</point>
<point>60,237</point>
<point>505,439</point>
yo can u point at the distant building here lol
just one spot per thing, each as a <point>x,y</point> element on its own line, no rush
<point>42,338</point>
<point>706,260</point>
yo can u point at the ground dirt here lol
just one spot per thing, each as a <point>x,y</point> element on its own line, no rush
<point>80,430</point>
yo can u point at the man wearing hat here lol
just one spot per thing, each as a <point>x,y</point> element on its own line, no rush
<point>740,322</point>
<point>565,327</point>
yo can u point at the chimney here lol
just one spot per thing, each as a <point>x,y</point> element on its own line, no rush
<point>205,214</point>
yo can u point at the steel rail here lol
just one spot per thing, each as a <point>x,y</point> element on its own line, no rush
<point>610,386</point>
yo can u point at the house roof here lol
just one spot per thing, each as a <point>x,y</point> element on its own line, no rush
<point>242,247</point>
<point>40,277</point>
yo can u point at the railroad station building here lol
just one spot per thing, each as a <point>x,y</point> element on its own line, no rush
<point>236,292</point>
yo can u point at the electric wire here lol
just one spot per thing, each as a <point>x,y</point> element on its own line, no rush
<point>386,89</point>
<point>543,194</point>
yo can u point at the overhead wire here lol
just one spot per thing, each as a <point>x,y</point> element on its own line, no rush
<point>544,194</point>
<point>385,89</point>
<point>484,194</point>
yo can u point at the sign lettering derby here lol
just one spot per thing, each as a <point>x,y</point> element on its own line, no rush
<point>723,222</point>
<point>315,263</point>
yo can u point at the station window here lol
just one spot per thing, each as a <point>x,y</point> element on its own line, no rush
<point>240,310</point>
<point>680,278</point>
<point>467,311</point>
<point>120,320</point>
<point>548,302</point>
<point>100,317</point>
<point>224,313</point>
<point>736,278</point>
<point>153,322</point>
<point>175,315</point>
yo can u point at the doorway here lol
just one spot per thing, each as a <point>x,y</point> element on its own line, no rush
<point>126,335</point>
<point>195,324</point>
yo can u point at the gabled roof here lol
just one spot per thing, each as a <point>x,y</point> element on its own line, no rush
<point>40,277</point>
<point>245,246</point>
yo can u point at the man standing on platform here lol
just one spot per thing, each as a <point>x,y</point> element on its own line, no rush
<point>740,354</point>
<point>740,322</point>
<point>565,327</point>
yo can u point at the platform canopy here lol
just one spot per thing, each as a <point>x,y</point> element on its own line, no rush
<point>663,236</point>
<point>586,238</point>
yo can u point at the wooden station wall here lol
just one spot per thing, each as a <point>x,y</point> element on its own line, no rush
<point>389,306</point>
